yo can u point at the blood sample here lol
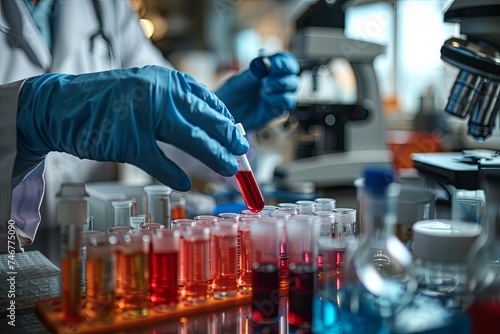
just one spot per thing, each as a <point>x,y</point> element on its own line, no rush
<point>246,182</point>
<point>225,251</point>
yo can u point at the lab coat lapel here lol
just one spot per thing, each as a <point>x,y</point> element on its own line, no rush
<point>17,22</point>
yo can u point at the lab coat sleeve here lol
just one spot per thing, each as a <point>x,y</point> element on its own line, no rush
<point>8,147</point>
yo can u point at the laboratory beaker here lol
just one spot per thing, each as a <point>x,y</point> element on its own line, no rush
<point>440,250</point>
<point>164,268</point>
<point>302,235</point>
<point>122,212</point>
<point>225,237</point>
<point>245,262</point>
<point>196,253</point>
<point>133,252</point>
<point>266,239</point>
<point>159,204</point>
<point>100,274</point>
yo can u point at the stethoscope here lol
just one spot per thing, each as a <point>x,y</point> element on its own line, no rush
<point>100,32</point>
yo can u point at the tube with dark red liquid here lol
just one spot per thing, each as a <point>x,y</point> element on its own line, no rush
<point>246,182</point>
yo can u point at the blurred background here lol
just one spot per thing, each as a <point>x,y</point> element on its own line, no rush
<point>212,39</point>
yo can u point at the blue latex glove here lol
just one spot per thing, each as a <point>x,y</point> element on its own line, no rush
<point>255,101</point>
<point>119,115</point>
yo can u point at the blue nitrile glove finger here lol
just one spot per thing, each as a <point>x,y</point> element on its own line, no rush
<point>247,96</point>
<point>119,115</point>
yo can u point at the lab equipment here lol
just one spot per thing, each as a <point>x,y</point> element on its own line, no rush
<point>245,255</point>
<point>102,194</point>
<point>196,250</point>
<point>42,133</point>
<point>159,204</point>
<point>136,221</point>
<point>179,208</point>
<point>133,255</point>
<point>122,212</point>
<point>100,275</point>
<point>226,253</point>
<point>302,235</point>
<point>256,100</point>
<point>440,249</point>
<point>306,207</point>
<point>325,204</point>
<point>164,268</point>
<point>381,277</point>
<point>346,137</point>
<point>71,215</point>
<point>477,55</point>
<point>266,239</point>
<point>246,181</point>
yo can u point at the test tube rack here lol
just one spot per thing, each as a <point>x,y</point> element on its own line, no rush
<point>49,311</point>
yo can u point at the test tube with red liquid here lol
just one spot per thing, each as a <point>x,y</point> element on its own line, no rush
<point>245,263</point>
<point>164,268</point>
<point>302,235</point>
<point>180,224</point>
<point>225,235</point>
<point>266,239</point>
<point>196,250</point>
<point>246,181</point>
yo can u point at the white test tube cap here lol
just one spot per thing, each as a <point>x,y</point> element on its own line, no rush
<point>240,128</point>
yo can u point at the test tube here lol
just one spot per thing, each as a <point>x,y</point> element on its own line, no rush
<point>180,224</point>
<point>148,228</point>
<point>100,302</point>
<point>120,272</point>
<point>302,235</point>
<point>306,207</point>
<point>136,221</point>
<point>159,204</point>
<point>327,221</point>
<point>225,236</point>
<point>196,250</point>
<point>179,208</point>
<point>268,209</point>
<point>71,215</point>
<point>89,224</point>
<point>344,231</point>
<point>85,235</point>
<point>133,250</point>
<point>123,212</point>
<point>285,211</point>
<point>164,268</point>
<point>250,214</point>
<point>325,204</point>
<point>245,269</point>
<point>266,238</point>
<point>246,181</point>
<point>206,218</point>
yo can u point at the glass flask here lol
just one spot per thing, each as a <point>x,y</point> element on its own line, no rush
<point>379,277</point>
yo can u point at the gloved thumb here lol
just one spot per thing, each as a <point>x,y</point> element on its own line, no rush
<point>157,165</point>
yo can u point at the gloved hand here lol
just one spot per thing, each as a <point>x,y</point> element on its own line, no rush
<point>119,115</point>
<point>255,101</point>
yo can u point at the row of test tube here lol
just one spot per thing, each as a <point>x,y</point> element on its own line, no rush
<point>271,254</point>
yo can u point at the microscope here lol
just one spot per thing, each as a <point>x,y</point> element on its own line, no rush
<point>353,135</point>
<point>474,95</point>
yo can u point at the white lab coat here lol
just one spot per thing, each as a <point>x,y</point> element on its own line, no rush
<point>24,54</point>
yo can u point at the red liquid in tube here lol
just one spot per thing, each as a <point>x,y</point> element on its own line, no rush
<point>250,190</point>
